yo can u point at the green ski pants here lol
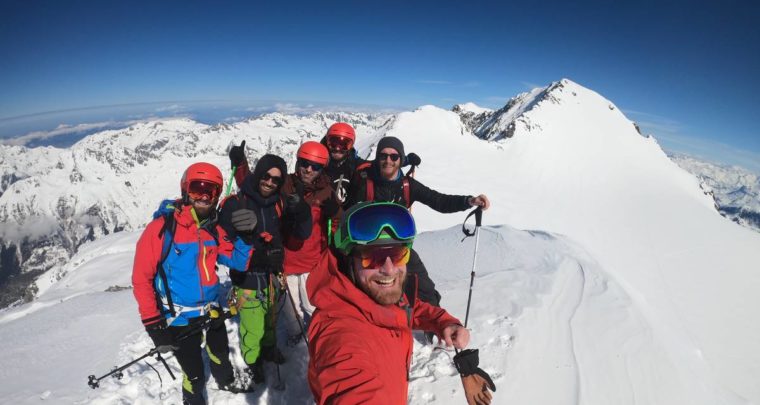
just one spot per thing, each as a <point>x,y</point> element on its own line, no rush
<point>256,322</point>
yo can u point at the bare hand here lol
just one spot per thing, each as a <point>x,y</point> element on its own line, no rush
<point>480,201</point>
<point>456,335</point>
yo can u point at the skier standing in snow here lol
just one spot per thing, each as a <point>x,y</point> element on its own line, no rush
<point>304,256</point>
<point>256,287</point>
<point>383,180</point>
<point>175,281</point>
<point>344,159</point>
<point>360,339</point>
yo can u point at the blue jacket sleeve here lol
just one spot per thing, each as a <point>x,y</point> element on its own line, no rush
<point>234,254</point>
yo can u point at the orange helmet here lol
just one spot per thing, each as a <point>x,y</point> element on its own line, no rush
<point>342,129</point>
<point>202,172</point>
<point>314,152</point>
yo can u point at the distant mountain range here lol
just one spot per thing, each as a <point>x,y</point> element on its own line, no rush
<point>736,190</point>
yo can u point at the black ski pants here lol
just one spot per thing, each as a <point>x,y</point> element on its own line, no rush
<point>190,360</point>
<point>419,285</point>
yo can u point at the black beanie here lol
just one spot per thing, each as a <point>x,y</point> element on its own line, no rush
<point>266,162</point>
<point>390,142</point>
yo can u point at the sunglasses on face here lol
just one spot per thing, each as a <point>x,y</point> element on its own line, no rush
<point>374,257</point>
<point>203,190</point>
<point>339,143</point>
<point>306,164</point>
<point>393,156</point>
<point>275,179</point>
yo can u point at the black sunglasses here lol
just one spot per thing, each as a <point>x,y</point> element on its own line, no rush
<point>305,163</point>
<point>275,179</point>
<point>394,156</point>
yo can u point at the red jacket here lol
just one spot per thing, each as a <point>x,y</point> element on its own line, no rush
<point>303,256</point>
<point>190,267</point>
<point>361,351</point>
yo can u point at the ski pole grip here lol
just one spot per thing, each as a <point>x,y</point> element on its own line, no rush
<point>478,212</point>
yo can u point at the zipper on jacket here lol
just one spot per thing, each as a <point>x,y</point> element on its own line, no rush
<point>201,249</point>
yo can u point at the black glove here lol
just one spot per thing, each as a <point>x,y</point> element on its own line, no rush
<point>413,159</point>
<point>466,363</point>
<point>296,208</point>
<point>161,337</point>
<point>244,220</point>
<point>330,207</point>
<point>237,155</point>
<point>268,258</point>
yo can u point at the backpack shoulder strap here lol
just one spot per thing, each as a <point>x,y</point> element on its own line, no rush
<point>167,234</point>
<point>370,190</point>
<point>407,192</point>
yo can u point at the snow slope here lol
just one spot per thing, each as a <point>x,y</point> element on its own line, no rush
<point>625,285</point>
<point>576,166</point>
<point>527,282</point>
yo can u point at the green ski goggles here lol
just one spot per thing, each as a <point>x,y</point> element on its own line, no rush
<point>375,223</point>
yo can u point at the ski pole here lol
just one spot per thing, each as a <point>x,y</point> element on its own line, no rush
<point>94,382</point>
<point>214,316</point>
<point>229,183</point>
<point>295,311</point>
<point>478,212</point>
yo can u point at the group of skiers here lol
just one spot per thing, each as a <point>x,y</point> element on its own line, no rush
<point>336,236</point>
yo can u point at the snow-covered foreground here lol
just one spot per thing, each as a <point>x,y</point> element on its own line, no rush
<point>552,327</point>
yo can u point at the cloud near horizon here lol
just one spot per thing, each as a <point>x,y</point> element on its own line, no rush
<point>65,129</point>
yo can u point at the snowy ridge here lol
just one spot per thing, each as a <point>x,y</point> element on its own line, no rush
<point>736,190</point>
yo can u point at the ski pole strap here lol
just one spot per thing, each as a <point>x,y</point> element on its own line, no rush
<point>478,212</point>
<point>229,183</point>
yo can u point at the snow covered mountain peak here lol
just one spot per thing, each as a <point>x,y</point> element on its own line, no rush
<point>470,108</point>
<point>516,114</point>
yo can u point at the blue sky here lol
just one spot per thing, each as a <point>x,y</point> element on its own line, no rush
<point>687,72</point>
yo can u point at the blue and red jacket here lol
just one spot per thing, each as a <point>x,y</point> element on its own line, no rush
<point>190,266</point>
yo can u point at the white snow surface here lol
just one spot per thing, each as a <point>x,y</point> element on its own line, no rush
<point>604,276</point>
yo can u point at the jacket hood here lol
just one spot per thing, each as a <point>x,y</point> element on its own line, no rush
<point>333,292</point>
<point>268,161</point>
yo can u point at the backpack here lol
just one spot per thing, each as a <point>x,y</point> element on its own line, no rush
<point>166,210</point>
<point>370,185</point>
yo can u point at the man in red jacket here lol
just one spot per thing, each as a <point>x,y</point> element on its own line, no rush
<point>175,282</point>
<point>360,338</point>
<point>303,257</point>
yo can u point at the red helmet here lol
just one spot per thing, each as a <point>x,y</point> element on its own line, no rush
<point>342,129</point>
<point>201,172</point>
<point>314,152</point>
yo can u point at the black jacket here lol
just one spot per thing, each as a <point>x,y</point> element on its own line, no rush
<point>393,191</point>
<point>272,218</point>
<point>342,174</point>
